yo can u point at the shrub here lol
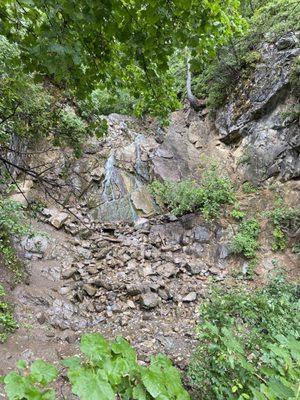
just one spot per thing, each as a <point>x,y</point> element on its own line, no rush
<point>70,129</point>
<point>7,321</point>
<point>188,196</point>
<point>282,218</point>
<point>237,213</point>
<point>245,241</point>
<point>248,344</point>
<point>12,223</point>
<point>248,188</point>
<point>106,371</point>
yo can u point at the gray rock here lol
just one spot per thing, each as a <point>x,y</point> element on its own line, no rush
<point>58,219</point>
<point>252,116</point>
<point>202,234</point>
<point>134,289</point>
<point>68,272</point>
<point>167,270</point>
<point>89,289</point>
<point>286,42</point>
<point>197,267</point>
<point>150,300</point>
<point>35,244</point>
<point>190,297</point>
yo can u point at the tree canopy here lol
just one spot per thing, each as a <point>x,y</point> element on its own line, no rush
<point>122,42</point>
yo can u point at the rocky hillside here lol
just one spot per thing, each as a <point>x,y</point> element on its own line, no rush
<point>114,260</point>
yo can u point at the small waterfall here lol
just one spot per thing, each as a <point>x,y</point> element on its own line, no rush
<point>140,166</point>
<point>111,179</point>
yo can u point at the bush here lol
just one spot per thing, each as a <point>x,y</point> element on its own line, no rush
<point>282,218</point>
<point>187,196</point>
<point>7,322</point>
<point>107,371</point>
<point>34,110</point>
<point>248,344</point>
<point>12,223</point>
<point>103,102</point>
<point>70,129</point>
<point>245,241</point>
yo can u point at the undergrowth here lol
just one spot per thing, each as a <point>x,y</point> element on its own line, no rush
<point>245,241</point>
<point>12,224</point>
<point>7,321</point>
<point>106,371</point>
<point>189,196</point>
<point>283,219</point>
<point>248,344</point>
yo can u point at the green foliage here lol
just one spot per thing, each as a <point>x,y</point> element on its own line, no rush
<point>12,223</point>
<point>105,370</point>
<point>31,382</point>
<point>188,196</point>
<point>102,102</point>
<point>248,344</point>
<point>70,129</point>
<point>120,44</point>
<point>267,20</point>
<point>7,322</point>
<point>282,217</point>
<point>32,110</point>
<point>237,213</point>
<point>246,240</point>
<point>248,188</point>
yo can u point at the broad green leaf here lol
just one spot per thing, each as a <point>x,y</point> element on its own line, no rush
<point>43,372</point>
<point>87,385</point>
<point>94,346</point>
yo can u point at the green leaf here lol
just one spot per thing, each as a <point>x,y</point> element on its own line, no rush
<point>72,362</point>
<point>94,346</point>
<point>279,389</point>
<point>21,364</point>
<point>121,346</point>
<point>88,385</point>
<point>139,393</point>
<point>43,372</point>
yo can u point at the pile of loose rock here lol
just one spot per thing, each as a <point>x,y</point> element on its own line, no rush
<point>141,281</point>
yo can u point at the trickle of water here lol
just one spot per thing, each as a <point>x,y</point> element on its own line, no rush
<point>140,166</point>
<point>110,179</point>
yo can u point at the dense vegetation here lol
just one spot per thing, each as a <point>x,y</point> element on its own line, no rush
<point>248,344</point>
<point>189,196</point>
<point>119,43</point>
<point>107,370</point>
<point>7,321</point>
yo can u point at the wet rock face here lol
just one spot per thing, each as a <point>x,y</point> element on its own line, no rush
<point>269,143</point>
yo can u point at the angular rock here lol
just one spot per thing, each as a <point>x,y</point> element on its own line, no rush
<point>68,272</point>
<point>167,270</point>
<point>58,219</point>
<point>89,289</point>
<point>202,234</point>
<point>190,297</point>
<point>150,300</point>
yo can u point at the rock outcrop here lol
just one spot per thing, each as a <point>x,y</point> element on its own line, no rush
<point>253,118</point>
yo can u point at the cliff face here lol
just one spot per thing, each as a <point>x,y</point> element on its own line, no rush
<point>257,119</point>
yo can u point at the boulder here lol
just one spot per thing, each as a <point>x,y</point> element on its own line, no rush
<point>58,219</point>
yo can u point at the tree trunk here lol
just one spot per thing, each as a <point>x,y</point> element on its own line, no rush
<point>194,102</point>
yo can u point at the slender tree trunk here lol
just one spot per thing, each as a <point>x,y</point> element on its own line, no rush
<point>194,102</point>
